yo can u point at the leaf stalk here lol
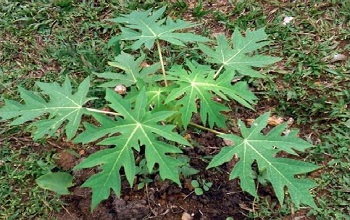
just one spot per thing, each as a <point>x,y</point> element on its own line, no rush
<point>206,129</point>
<point>218,72</point>
<point>161,62</point>
<point>103,112</point>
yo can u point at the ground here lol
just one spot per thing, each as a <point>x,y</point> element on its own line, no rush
<point>309,88</point>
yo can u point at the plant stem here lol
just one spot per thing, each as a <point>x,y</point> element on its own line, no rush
<point>205,128</point>
<point>161,62</point>
<point>101,111</point>
<point>218,72</point>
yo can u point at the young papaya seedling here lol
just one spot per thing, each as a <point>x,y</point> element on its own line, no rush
<point>156,106</point>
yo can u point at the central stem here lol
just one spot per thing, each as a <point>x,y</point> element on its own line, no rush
<point>161,62</point>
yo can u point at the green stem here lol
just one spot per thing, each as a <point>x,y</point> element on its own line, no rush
<point>103,112</point>
<point>206,129</point>
<point>161,62</point>
<point>218,72</point>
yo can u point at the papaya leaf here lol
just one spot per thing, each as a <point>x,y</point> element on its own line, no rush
<point>145,27</point>
<point>198,83</point>
<point>254,146</point>
<point>137,126</point>
<point>133,71</point>
<point>156,96</point>
<point>237,54</point>
<point>63,106</point>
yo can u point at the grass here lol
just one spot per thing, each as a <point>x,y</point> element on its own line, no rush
<point>47,40</point>
<point>20,165</point>
<point>45,45</point>
<point>335,182</point>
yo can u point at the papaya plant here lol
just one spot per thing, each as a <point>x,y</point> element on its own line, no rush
<point>159,102</point>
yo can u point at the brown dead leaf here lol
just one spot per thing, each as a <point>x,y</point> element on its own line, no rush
<point>338,57</point>
<point>186,216</point>
<point>273,121</point>
<point>228,142</point>
<point>120,89</point>
<point>82,152</point>
<point>144,64</point>
<point>187,136</point>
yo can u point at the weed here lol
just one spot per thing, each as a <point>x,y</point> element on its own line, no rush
<point>201,186</point>
<point>141,170</point>
<point>199,11</point>
<point>21,198</point>
<point>336,181</point>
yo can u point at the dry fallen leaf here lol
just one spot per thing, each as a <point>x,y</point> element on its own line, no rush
<point>287,20</point>
<point>338,57</point>
<point>186,216</point>
<point>228,142</point>
<point>144,64</point>
<point>187,136</point>
<point>120,89</point>
<point>81,152</point>
<point>290,121</point>
<point>273,121</point>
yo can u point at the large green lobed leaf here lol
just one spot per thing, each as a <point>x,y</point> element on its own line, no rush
<point>145,27</point>
<point>254,146</point>
<point>62,106</point>
<point>198,83</point>
<point>133,72</point>
<point>236,54</point>
<point>137,126</point>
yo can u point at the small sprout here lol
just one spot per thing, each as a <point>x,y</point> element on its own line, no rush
<point>195,183</point>
<point>201,186</point>
<point>198,191</point>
